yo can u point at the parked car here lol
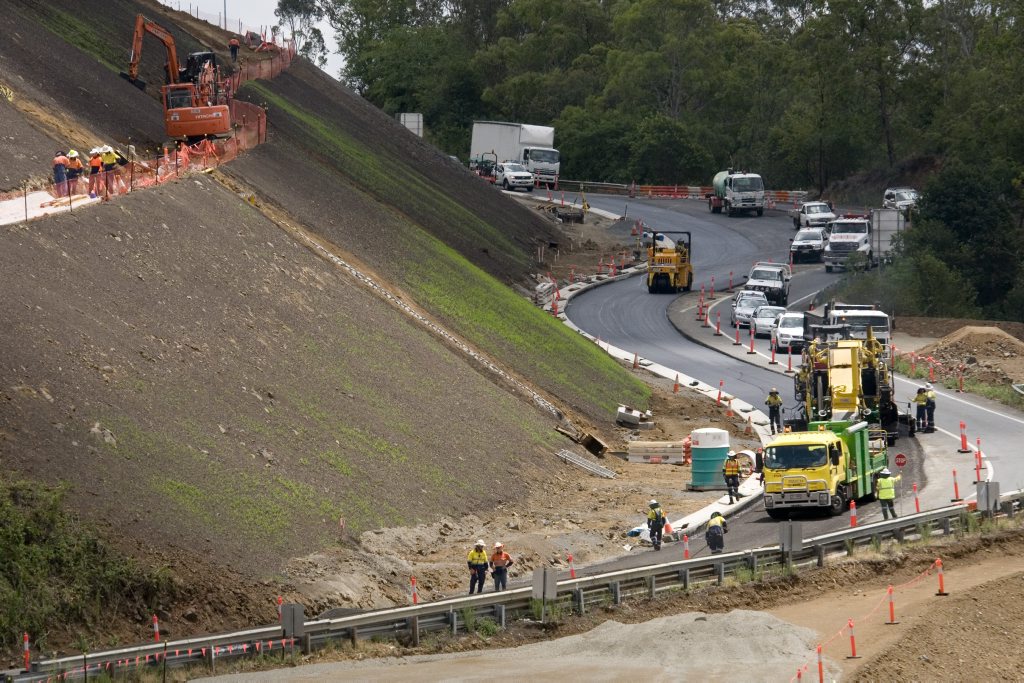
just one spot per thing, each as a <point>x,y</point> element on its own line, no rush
<point>788,331</point>
<point>809,244</point>
<point>762,319</point>
<point>512,176</point>
<point>902,198</point>
<point>743,306</point>
<point>812,215</point>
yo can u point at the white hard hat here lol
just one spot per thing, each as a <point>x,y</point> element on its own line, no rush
<point>498,544</point>
<point>480,542</point>
<point>94,150</point>
<point>928,385</point>
<point>653,502</point>
<point>885,470</point>
<point>106,148</point>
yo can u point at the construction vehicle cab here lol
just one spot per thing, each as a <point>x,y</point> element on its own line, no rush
<point>195,99</point>
<point>669,265</point>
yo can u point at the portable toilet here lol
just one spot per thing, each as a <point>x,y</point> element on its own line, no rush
<point>710,447</point>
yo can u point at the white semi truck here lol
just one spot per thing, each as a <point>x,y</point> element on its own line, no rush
<point>531,146</point>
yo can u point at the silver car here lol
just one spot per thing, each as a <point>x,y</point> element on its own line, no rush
<point>788,331</point>
<point>808,244</point>
<point>763,318</point>
<point>744,304</point>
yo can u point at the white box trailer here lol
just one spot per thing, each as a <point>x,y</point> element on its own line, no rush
<point>531,146</point>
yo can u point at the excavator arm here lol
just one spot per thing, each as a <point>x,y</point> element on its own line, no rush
<point>142,27</point>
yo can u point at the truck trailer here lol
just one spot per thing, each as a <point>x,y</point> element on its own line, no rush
<point>531,146</point>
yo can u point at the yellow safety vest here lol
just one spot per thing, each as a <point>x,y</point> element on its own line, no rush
<point>886,488</point>
<point>477,557</point>
<point>774,401</point>
<point>654,513</point>
<point>731,468</point>
<point>716,521</point>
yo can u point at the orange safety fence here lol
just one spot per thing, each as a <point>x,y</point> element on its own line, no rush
<point>250,129</point>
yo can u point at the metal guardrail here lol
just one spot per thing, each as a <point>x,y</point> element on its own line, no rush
<point>452,614</point>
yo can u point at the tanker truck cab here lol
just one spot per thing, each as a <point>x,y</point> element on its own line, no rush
<point>821,469</point>
<point>736,192</point>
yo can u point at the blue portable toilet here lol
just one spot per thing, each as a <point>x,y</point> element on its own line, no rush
<point>709,448</point>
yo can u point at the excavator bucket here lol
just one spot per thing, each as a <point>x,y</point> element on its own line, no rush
<point>137,82</point>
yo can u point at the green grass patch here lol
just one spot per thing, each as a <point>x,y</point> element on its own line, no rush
<point>56,571</point>
<point>69,28</point>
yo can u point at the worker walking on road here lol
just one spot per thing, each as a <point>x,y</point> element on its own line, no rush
<point>731,472</point>
<point>929,392</point>
<point>477,561</point>
<point>921,401</point>
<point>500,562</point>
<point>715,535</point>
<point>655,523</point>
<point>774,403</point>
<point>233,46</point>
<point>886,486</point>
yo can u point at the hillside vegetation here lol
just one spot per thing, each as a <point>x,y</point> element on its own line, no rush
<point>213,395</point>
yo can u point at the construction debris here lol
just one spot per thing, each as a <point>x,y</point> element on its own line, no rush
<point>630,417</point>
<point>656,452</point>
<point>583,463</point>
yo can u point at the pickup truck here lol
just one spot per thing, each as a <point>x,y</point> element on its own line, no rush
<point>812,215</point>
<point>772,279</point>
<point>511,176</point>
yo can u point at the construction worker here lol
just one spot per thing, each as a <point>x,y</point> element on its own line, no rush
<point>655,523</point>
<point>715,534</point>
<point>929,405</point>
<point>95,169</point>
<point>477,561</point>
<point>233,46</point>
<point>74,169</point>
<point>921,401</point>
<point>500,562</point>
<point>774,403</point>
<point>886,487</point>
<point>60,177</point>
<point>731,472</point>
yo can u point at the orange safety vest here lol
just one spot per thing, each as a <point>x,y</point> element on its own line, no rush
<point>233,42</point>
<point>501,559</point>
<point>731,468</point>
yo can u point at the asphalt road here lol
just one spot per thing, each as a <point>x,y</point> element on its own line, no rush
<point>625,315</point>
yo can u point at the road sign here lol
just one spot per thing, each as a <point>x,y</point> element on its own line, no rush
<point>901,460</point>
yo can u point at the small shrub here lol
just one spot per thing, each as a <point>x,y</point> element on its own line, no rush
<point>487,627</point>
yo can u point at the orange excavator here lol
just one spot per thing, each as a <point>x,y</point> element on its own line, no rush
<point>194,98</point>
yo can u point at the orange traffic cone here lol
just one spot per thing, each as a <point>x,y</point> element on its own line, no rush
<point>749,429</point>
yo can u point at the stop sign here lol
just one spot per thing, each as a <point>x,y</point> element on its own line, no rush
<point>901,460</point>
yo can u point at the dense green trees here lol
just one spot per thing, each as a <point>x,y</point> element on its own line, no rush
<point>806,92</point>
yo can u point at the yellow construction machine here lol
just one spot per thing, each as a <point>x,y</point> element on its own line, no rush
<point>669,265</point>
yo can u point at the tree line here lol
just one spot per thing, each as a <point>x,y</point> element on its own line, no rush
<point>806,92</point>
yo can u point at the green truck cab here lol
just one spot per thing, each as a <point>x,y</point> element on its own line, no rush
<point>823,468</point>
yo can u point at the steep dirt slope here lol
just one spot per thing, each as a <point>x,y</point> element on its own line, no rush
<point>207,384</point>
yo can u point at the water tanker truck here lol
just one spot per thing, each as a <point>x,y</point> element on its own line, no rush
<point>736,193</point>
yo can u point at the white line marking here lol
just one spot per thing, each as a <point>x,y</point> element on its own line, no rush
<point>965,402</point>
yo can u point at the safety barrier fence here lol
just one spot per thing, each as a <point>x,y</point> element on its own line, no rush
<point>456,614</point>
<point>39,199</point>
<point>773,198</point>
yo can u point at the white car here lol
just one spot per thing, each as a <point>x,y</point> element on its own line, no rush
<point>812,215</point>
<point>512,176</point>
<point>763,318</point>
<point>902,198</point>
<point>743,306</point>
<point>788,331</point>
<point>808,244</point>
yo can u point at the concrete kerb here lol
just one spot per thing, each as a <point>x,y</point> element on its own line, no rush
<point>544,200</point>
<point>749,488</point>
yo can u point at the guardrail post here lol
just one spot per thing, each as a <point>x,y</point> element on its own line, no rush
<point>819,551</point>
<point>453,619</point>
<point>577,596</point>
<point>652,587</point>
<point>616,590</point>
<point>751,561</point>
<point>414,630</point>
<point>307,644</point>
<point>211,658</point>
<point>1008,509</point>
<point>684,578</point>
<point>353,636</point>
<point>946,527</point>
<point>499,615</point>
<point>898,535</point>
<point>720,572</point>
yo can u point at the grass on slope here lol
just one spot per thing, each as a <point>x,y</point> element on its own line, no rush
<point>475,305</point>
<point>77,32</point>
<point>54,571</point>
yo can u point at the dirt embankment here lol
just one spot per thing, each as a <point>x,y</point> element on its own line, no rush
<point>985,351</point>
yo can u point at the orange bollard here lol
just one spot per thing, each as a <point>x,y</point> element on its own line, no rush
<point>737,342</point>
<point>956,490</point>
<point>892,609</point>
<point>853,513</point>
<point>977,463</point>
<point>156,629</point>
<point>942,584</point>
<point>789,360</point>
<point>773,361</point>
<point>931,372</point>
<point>675,387</point>
<point>964,448</point>
<point>636,360</point>
<point>28,655</point>
<point>572,568</point>
<point>917,501</point>
<point>821,667</point>
<point>707,318</point>
<point>751,351</point>
<point>280,608</point>
<point>853,641</point>
<point>721,386</point>
<point>686,547</point>
<point>728,409</point>
<point>718,323</point>
<point>415,593</point>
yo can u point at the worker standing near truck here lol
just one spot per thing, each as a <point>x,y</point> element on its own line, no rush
<point>774,403</point>
<point>921,401</point>
<point>477,561</point>
<point>886,486</point>
<point>929,392</point>
<point>731,472</point>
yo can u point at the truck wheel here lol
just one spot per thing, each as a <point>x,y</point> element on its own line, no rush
<point>529,188</point>
<point>650,288</point>
<point>828,269</point>
<point>839,502</point>
<point>728,210</point>
<point>689,283</point>
<point>760,212</point>
<point>504,184</point>
<point>821,257</point>
<point>796,223</point>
